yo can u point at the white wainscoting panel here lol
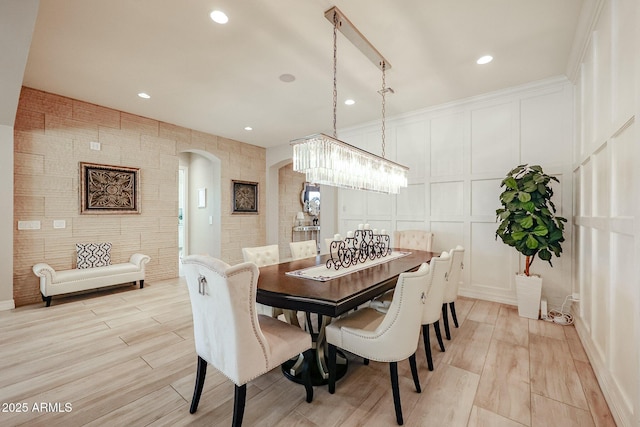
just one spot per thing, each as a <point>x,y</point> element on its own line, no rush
<point>490,260</point>
<point>586,189</point>
<point>411,203</point>
<point>447,144</point>
<point>447,199</point>
<point>411,147</point>
<point>492,139</point>
<point>623,182</point>
<point>601,303</point>
<point>624,352</point>
<point>544,139</point>
<point>379,205</point>
<point>485,197</point>
<point>601,184</point>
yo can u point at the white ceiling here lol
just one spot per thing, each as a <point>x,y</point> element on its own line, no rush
<point>221,78</point>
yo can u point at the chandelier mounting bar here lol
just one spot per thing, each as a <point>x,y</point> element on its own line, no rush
<point>356,38</point>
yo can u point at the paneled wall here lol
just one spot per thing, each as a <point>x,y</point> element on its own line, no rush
<point>458,154</point>
<point>606,204</point>
<point>53,133</point>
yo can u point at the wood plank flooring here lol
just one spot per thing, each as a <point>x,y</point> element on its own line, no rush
<point>126,357</point>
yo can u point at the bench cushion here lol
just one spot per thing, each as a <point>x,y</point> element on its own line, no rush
<point>90,273</point>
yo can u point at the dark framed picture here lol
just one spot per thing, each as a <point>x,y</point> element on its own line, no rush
<point>244,197</point>
<point>108,189</point>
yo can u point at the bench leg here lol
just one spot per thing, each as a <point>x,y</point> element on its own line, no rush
<point>46,300</point>
<point>141,284</point>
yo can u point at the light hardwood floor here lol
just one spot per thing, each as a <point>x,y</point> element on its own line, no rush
<point>126,358</point>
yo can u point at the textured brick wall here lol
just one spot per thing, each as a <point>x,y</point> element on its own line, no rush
<point>52,135</point>
<point>290,186</point>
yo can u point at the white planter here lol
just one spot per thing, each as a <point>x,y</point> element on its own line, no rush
<point>529,291</point>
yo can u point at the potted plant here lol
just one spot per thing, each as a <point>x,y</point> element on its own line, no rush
<point>528,222</point>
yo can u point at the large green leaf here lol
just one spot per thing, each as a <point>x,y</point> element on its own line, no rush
<point>532,243</point>
<point>540,230</point>
<point>524,196</point>
<point>518,235</point>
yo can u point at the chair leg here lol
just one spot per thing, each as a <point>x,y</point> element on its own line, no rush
<point>201,373</point>
<point>306,375</point>
<point>365,361</point>
<point>445,320</point>
<point>453,313</point>
<point>393,371</point>
<point>427,345</point>
<point>436,326</point>
<point>332,368</point>
<point>141,283</point>
<point>238,405</point>
<point>414,372</point>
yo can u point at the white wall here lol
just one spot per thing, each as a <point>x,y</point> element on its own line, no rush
<point>6,219</point>
<point>17,19</point>
<point>458,154</point>
<point>606,203</point>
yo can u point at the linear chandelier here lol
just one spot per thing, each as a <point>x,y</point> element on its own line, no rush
<point>329,161</point>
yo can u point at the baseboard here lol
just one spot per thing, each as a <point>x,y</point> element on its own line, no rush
<point>611,394</point>
<point>7,305</point>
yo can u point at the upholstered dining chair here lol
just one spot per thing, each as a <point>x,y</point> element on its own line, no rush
<point>262,256</point>
<point>384,337</point>
<point>230,335</point>
<point>421,240</point>
<point>304,249</point>
<point>451,290</point>
<point>433,306</point>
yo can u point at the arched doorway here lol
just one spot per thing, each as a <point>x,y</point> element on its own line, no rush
<point>199,203</point>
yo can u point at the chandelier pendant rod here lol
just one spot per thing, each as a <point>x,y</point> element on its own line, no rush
<point>352,34</point>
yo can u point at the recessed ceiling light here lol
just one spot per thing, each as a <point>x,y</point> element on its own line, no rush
<point>219,17</point>
<point>484,60</point>
<point>144,95</point>
<point>287,78</point>
<point>248,128</point>
<point>349,102</point>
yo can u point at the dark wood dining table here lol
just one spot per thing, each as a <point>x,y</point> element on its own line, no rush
<point>331,298</point>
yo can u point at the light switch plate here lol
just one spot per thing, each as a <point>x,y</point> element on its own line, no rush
<point>28,225</point>
<point>59,223</point>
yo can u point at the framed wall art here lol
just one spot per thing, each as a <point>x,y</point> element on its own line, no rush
<point>108,189</point>
<point>244,197</point>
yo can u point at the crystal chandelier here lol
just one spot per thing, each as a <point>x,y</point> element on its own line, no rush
<point>327,160</point>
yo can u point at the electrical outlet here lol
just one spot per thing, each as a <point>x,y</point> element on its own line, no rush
<point>59,223</point>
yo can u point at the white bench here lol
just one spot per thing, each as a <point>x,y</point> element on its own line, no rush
<point>54,282</point>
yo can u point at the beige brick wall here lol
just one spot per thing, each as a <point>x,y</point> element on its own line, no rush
<point>52,135</point>
<point>290,186</point>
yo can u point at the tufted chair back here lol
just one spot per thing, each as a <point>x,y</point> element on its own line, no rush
<point>455,274</point>
<point>396,335</point>
<point>304,249</point>
<point>228,332</point>
<point>421,240</point>
<point>262,255</point>
<point>225,322</point>
<point>435,293</point>
<point>388,337</point>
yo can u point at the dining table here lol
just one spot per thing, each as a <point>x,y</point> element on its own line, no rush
<point>296,286</point>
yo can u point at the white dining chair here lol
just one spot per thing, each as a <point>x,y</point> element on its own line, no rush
<point>451,290</point>
<point>384,337</point>
<point>229,333</point>
<point>263,256</point>
<point>433,307</point>
<point>421,240</point>
<point>303,249</point>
